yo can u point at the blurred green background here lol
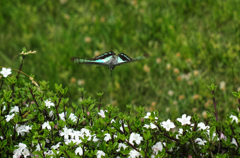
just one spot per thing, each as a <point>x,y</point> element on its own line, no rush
<point>190,44</point>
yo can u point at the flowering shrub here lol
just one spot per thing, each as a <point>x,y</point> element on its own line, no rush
<point>36,122</point>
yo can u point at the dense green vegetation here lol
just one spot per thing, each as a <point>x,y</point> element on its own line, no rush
<point>190,44</point>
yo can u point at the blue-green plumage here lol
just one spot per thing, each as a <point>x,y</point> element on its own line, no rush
<point>109,59</point>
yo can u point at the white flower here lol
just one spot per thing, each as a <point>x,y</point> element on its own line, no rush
<point>14,109</point>
<point>107,137</point>
<point>38,148</point>
<point>234,142</point>
<point>4,108</point>
<point>9,117</point>
<point>5,72</point>
<point>73,117</point>
<point>200,141</point>
<point>222,136</point>
<point>101,113</point>
<point>66,133</point>
<point>135,137</point>
<point>26,152</point>
<point>94,138</point>
<point>202,126</point>
<point>134,154</point>
<point>157,147</point>
<point>22,150</point>
<point>152,126</point>
<point>56,146</point>
<point>22,129</point>
<point>100,153</point>
<point>79,151</point>
<point>122,128</point>
<point>149,114</point>
<point>86,132</point>
<point>167,125</point>
<point>46,124</point>
<point>234,118</point>
<point>62,116</point>
<point>51,114</point>
<point>121,145</point>
<point>49,103</point>
<point>180,131</point>
<point>184,120</point>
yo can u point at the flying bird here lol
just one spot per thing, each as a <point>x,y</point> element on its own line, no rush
<point>109,59</point>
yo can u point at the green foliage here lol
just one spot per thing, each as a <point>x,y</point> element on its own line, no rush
<point>198,39</point>
<point>41,122</point>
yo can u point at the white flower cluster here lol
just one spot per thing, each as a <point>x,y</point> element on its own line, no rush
<point>74,136</point>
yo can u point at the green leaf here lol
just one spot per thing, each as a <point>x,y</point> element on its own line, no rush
<point>212,130</point>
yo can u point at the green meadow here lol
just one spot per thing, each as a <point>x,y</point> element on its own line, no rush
<point>190,44</point>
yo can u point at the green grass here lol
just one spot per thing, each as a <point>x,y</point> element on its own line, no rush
<point>206,33</point>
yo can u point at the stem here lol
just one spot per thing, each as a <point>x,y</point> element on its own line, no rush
<point>238,102</point>
<point>41,148</point>
<point>99,105</point>
<point>215,107</point>
<point>1,85</point>
<point>34,99</point>
<point>123,127</point>
<point>129,127</point>
<point>77,123</point>
<point>234,134</point>
<point>146,150</point>
<point>194,149</point>
<point>20,67</point>
<point>132,145</point>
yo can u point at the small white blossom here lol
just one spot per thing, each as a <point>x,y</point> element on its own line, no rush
<point>62,117</point>
<point>149,114</point>
<point>14,109</point>
<point>56,146</point>
<point>46,124</point>
<point>234,142</point>
<point>100,153</point>
<point>121,145</point>
<point>184,120</point>
<point>134,154</point>
<point>157,147</point>
<point>122,128</point>
<point>94,138</point>
<point>107,137</point>
<point>202,126</point>
<point>167,125</point>
<point>200,141</point>
<point>79,151</point>
<point>22,129</point>
<point>234,118</point>
<point>222,136</point>
<point>5,72</point>
<point>22,150</point>
<point>9,117</point>
<point>102,113</point>
<point>51,114</point>
<point>152,126</point>
<point>135,137</point>
<point>66,133</point>
<point>49,103</point>
<point>73,117</point>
